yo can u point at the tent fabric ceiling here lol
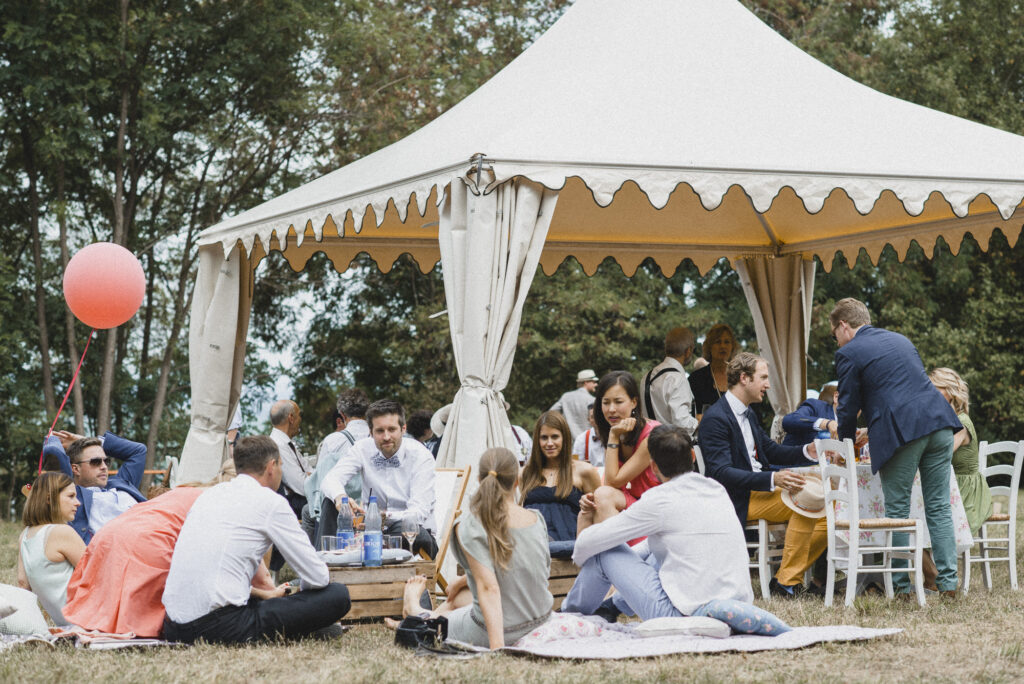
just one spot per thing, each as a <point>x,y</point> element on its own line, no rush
<point>673,130</point>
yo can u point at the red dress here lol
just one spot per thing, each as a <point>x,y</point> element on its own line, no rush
<point>646,479</point>
<point>118,584</point>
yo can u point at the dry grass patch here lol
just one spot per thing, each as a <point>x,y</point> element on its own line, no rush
<point>977,638</point>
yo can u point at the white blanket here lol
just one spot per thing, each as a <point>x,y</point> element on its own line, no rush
<point>617,641</point>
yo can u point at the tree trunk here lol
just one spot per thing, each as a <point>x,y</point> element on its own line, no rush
<point>69,318</point>
<point>49,396</point>
<point>110,348</point>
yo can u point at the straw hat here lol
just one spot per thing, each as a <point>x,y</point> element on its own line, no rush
<point>809,501</point>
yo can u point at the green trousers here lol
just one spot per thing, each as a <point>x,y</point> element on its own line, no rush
<point>932,455</point>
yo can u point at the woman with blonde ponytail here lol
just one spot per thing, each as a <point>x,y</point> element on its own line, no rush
<point>504,549</point>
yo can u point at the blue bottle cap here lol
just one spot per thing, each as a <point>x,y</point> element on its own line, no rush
<point>373,499</point>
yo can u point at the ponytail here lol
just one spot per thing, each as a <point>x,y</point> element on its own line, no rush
<point>498,470</point>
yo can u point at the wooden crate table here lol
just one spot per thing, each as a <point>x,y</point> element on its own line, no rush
<point>563,574</point>
<point>377,592</point>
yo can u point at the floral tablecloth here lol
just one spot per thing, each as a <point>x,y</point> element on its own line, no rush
<point>871,503</point>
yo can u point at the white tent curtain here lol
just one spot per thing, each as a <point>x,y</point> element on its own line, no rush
<point>219,325</point>
<point>490,246</point>
<point>780,292</point>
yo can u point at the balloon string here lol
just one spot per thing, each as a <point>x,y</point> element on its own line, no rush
<point>66,395</point>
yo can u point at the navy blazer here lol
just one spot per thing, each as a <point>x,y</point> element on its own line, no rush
<point>881,375</point>
<point>128,478</point>
<point>799,425</point>
<point>726,458</point>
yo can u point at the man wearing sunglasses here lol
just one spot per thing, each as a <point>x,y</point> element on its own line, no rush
<point>87,461</point>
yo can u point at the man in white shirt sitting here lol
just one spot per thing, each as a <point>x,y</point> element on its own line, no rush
<point>209,592</point>
<point>587,446</point>
<point>665,390</point>
<point>698,556</point>
<point>399,472</point>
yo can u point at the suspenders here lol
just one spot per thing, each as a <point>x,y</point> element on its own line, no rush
<point>647,390</point>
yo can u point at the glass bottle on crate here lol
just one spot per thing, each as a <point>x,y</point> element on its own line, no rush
<point>346,534</point>
<point>372,537</point>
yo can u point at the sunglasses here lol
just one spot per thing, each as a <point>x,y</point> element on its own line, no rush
<point>95,462</point>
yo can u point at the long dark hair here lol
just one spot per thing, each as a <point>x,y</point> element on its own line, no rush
<point>626,381</point>
<point>532,476</point>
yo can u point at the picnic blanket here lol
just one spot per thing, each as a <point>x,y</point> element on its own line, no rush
<point>615,641</point>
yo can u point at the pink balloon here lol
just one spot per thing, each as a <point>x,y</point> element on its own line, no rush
<point>104,285</point>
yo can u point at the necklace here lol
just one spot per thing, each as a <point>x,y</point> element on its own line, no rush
<point>714,381</point>
<point>550,476</point>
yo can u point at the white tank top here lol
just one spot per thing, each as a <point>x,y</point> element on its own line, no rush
<point>49,580</point>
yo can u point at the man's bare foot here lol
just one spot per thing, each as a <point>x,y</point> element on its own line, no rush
<point>414,588</point>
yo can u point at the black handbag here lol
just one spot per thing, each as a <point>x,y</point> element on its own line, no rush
<point>414,632</point>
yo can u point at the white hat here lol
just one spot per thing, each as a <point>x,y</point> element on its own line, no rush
<point>440,419</point>
<point>586,376</point>
<point>810,500</point>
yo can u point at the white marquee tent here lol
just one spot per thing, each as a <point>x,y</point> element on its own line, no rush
<point>659,128</point>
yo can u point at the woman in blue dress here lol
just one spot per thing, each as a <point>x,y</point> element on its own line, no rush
<point>553,482</point>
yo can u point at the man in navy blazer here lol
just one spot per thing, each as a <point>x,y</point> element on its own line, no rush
<point>811,417</point>
<point>910,427</point>
<point>739,454</point>
<point>85,461</point>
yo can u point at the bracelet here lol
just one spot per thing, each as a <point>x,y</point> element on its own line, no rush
<point>611,446</point>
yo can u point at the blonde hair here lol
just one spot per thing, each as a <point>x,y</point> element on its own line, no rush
<point>498,470</point>
<point>851,310</point>
<point>43,505</point>
<point>949,380</point>
<point>532,476</point>
<point>714,334</point>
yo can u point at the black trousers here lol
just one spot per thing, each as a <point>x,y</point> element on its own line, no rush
<point>328,527</point>
<point>288,617</point>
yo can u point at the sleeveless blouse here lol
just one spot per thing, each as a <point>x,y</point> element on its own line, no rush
<point>49,580</point>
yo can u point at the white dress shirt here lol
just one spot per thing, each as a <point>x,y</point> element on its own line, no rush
<point>592,453</point>
<point>404,483</point>
<point>693,532</point>
<point>225,535</point>
<point>107,504</point>
<point>671,396</point>
<point>574,406</point>
<point>739,409</point>
<point>523,441</point>
<point>333,447</point>
<point>294,467</point>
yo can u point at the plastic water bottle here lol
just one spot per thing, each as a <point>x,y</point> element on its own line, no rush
<point>345,535</point>
<point>372,538</point>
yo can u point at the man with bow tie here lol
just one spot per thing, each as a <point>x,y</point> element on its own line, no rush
<point>399,472</point>
<point>739,454</point>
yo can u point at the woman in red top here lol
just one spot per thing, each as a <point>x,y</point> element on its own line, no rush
<point>623,431</point>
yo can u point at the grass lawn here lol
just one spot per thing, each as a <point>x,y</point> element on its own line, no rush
<point>977,638</point>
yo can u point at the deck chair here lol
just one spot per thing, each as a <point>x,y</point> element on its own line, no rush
<point>449,489</point>
<point>988,540</point>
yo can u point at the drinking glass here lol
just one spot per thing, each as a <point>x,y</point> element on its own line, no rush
<point>410,528</point>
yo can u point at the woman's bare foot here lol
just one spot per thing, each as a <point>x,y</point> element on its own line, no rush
<point>414,588</point>
<point>391,623</point>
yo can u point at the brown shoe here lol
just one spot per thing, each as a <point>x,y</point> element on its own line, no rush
<point>949,595</point>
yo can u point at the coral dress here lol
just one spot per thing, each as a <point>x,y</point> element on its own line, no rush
<point>118,584</point>
<point>645,480</point>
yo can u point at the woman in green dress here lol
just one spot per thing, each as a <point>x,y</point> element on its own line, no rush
<point>973,488</point>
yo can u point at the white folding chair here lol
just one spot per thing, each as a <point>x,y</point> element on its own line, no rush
<point>841,486</point>
<point>986,540</point>
<point>767,551</point>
